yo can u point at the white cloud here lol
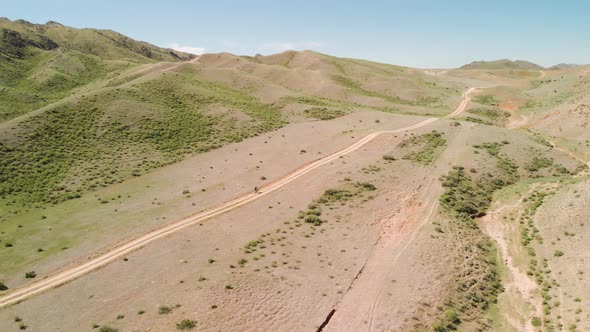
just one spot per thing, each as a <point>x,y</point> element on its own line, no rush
<point>277,47</point>
<point>188,49</point>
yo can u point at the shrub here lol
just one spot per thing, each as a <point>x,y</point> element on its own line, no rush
<point>313,219</point>
<point>388,157</point>
<point>464,196</point>
<point>30,275</point>
<point>431,144</point>
<point>332,195</point>
<point>447,322</point>
<point>323,113</point>
<point>536,321</point>
<point>538,163</point>
<point>558,253</point>
<point>164,310</point>
<point>366,186</point>
<point>106,328</point>
<point>3,287</point>
<point>186,324</point>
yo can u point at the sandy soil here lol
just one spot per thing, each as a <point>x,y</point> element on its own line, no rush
<point>260,300</point>
<point>408,207</point>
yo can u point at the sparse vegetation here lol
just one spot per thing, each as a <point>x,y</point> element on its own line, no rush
<point>448,321</point>
<point>486,100</point>
<point>463,196</point>
<point>538,163</point>
<point>106,328</point>
<point>358,89</point>
<point>491,113</point>
<point>164,310</point>
<point>324,113</point>
<point>186,324</point>
<point>388,157</point>
<point>430,144</point>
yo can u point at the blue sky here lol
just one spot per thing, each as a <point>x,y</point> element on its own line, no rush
<point>418,33</point>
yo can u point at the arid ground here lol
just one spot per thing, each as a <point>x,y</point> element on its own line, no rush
<point>389,198</point>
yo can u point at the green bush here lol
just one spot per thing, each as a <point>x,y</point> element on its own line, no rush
<point>186,324</point>
<point>448,321</point>
<point>313,219</point>
<point>334,195</point>
<point>366,186</point>
<point>486,100</point>
<point>323,113</point>
<point>463,196</point>
<point>164,310</point>
<point>538,163</point>
<point>431,144</point>
<point>106,328</point>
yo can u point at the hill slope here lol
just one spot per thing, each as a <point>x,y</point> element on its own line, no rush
<point>131,115</point>
<point>503,64</point>
<point>42,63</point>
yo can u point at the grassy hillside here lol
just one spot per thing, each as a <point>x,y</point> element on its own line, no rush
<point>103,139</point>
<point>42,63</point>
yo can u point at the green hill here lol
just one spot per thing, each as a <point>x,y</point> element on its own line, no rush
<point>42,63</point>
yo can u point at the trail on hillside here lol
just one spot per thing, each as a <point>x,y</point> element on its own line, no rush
<point>104,258</point>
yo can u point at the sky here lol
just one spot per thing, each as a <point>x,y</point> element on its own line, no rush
<point>415,33</point>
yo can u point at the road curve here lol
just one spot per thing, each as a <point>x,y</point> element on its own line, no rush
<point>103,259</point>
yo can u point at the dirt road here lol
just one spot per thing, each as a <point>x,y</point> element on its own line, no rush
<point>118,252</point>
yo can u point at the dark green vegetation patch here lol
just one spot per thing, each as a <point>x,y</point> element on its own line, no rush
<point>430,146</point>
<point>323,113</point>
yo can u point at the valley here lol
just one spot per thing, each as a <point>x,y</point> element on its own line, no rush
<point>387,198</point>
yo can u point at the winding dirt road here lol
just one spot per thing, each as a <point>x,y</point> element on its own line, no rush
<point>103,259</point>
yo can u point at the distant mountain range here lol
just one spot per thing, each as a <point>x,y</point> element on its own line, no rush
<point>517,64</point>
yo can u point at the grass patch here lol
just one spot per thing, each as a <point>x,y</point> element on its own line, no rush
<point>186,324</point>
<point>492,114</point>
<point>358,89</point>
<point>538,163</point>
<point>486,100</point>
<point>431,145</point>
<point>323,113</point>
